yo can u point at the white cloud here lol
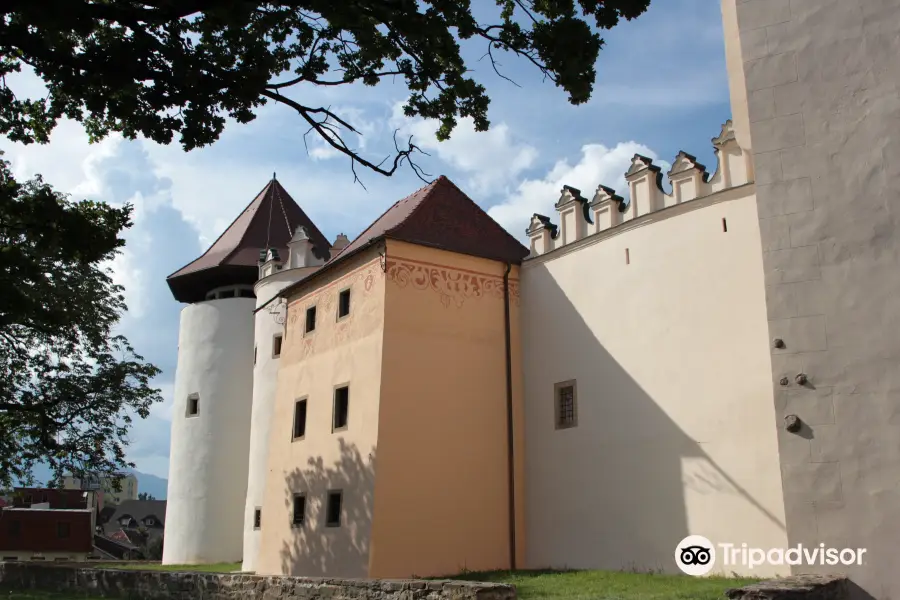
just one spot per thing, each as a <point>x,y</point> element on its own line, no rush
<point>490,159</point>
<point>598,165</point>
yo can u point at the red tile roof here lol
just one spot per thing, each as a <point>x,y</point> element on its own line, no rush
<point>439,215</point>
<point>269,221</point>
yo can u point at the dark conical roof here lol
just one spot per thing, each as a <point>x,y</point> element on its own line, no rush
<point>269,221</point>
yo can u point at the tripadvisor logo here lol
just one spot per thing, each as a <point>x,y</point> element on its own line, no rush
<point>696,555</point>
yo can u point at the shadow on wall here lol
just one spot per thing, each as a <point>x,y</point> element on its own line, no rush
<point>613,492</point>
<point>316,549</point>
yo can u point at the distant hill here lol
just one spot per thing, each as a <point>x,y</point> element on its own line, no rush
<point>153,485</point>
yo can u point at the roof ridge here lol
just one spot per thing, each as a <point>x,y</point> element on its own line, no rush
<point>484,212</point>
<point>418,206</point>
<point>376,220</point>
<point>224,231</point>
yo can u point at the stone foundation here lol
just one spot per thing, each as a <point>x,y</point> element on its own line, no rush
<point>169,585</point>
<point>797,587</point>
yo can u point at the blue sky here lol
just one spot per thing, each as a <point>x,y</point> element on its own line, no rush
<point>661,88</point>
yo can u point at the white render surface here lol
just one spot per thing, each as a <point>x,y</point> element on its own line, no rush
<point>265,379</point>
<point>822,78</point>
<point>208,457</point>
<point>674,410</point>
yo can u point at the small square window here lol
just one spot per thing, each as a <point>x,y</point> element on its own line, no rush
<point>276,345</point>
<point>62,530</point>
<point>299,513</point>
<point>299,419</point>
<point>333,509</point>
<point>257,518</point>
<point>193,405</point>
<point>310,319</point>
<point>341,408</point>
<point>343,304</point>
<point>566,405</point>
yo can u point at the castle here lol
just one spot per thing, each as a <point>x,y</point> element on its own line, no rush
<point>718,360</point>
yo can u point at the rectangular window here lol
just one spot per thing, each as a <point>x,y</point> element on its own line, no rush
<point>566,404</point>
<point>341,408</point>
<point>333,509</point>
<point>62,530</point>
<point>310,319</point>
<point>276,346</point>
<point>299,419</point>
<point>226,294</point>
<point>299,513</point>
<point>257,518</point>
<point>343,304</point>
<point>193,405</point>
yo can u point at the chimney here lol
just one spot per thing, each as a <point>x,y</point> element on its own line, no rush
<point>340,242</point>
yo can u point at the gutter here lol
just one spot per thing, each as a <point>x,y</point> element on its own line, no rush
<point>510,448</point>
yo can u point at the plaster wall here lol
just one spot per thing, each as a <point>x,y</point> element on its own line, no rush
<point>442,452</point>
<point>660,323</point>
<point>208,454</point>
<point>269,322</point>
<point>338,352</point>
<point>824,109</point>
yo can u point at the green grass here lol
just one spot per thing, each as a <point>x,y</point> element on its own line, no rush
<point>606,585</point>
<point>134,566</point>
<point>530,585</point>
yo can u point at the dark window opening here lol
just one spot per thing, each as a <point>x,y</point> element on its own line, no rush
<point>299,513</point>
<point>341,408</point>
<point>193,405</point>
<point>333,510</point>
<point>627,256</point>
<point>310,319</point>
<point>724,225</point>
<point>276,346</point>
<point>299,419</point>
<point>226,294</point>
<point>257,518</point>
<point>247,294</point>
<point>566,415</point>
<point>344,304</point>
<point>62,530</point>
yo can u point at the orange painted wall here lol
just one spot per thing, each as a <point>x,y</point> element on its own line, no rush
<point>441,502</point>
<point>346,351</point>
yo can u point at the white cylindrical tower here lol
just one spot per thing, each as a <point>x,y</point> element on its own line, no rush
<point>210,433</point>
<point>269,325</point>
<point>210,449</point>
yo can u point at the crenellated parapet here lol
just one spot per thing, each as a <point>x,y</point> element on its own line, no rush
<point>579,218</point>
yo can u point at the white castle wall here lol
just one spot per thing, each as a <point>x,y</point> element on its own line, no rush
<point>265,377</point>
<point>208,458</point>
<point>657,315</point>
